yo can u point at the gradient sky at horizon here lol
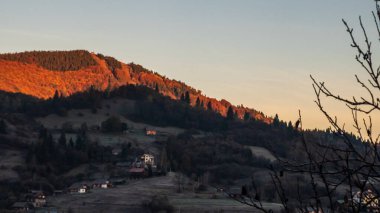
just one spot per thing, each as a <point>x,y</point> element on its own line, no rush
<point>256,53</point>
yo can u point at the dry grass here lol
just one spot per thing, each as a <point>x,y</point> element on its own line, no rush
<point>129,198</point>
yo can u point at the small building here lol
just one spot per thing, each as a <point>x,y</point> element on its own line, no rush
<point>148,159</point>
<point>80,188</point>
<point>150,132</point>
<point>83,190</point>
<point>101,183</point>
<point>36,198</point>
<point>39,200</point>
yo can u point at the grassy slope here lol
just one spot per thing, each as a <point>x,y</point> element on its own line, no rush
<point>130,197</point>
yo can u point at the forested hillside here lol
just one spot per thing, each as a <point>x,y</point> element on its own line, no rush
<point>43,73</point>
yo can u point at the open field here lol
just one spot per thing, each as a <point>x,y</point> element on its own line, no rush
<point>129,198</point>
<point>117,107</point>
<point>135,135</point>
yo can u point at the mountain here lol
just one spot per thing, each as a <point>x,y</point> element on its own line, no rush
<point>43,73</point>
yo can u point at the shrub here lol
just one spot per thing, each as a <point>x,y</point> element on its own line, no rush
<point>112,124</point>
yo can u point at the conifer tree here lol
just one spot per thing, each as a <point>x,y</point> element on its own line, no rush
<point>187,97</point>
<point>156,88</point>
<point>230,114</point>
<point>56,96</point>
<point>71,143</point>
<point>247,116</point>
<point>3,127</point>
<point>276,121</point>
<point>209,106</point>
<point>62,139</point>
<point>198,102</point>
<point>79,143</point>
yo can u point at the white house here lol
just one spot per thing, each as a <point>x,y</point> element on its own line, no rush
<point>148,159</point>
<point>81,188</point>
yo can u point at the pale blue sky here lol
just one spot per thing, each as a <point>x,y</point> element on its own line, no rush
<point>256,53</point>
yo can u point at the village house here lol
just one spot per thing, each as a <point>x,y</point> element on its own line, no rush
<point>39,200</point>
<point>148,159</point>
<point>101,183</point>
<point>150,132</point>
<point>36,198</point>
<point>82,187</point>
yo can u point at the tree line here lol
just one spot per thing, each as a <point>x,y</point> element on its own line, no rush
<point>54,60</point>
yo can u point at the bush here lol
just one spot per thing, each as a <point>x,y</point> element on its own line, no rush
<point>112,124</point>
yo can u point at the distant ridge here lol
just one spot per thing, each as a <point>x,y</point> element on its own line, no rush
<point>42,73</point>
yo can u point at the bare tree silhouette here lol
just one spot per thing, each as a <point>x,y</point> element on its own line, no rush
<point>350,163</point>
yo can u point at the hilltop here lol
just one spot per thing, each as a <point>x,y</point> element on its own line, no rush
<point>42,74</point>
